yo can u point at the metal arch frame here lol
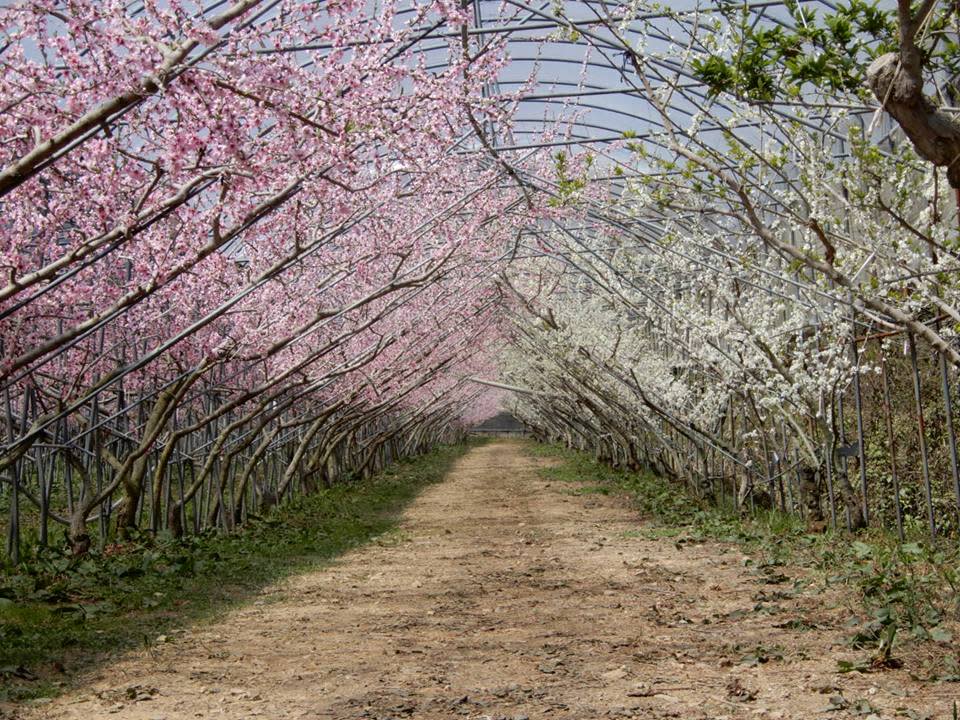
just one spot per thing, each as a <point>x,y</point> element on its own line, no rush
<point>545,22</point>
<point>534,16</point>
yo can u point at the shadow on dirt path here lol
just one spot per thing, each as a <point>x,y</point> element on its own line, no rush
<point>505,596</point>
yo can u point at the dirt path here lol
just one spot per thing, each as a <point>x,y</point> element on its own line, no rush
<point>504,596</point>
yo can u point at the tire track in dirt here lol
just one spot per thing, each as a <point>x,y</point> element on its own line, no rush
<point>505,596</point>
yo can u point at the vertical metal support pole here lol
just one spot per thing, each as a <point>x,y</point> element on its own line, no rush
<point>843,458</point>
<point>781,461</point>
<point>702,490</point>
<point>68,469</point>
<point>181,484</point>
<point>786,491</point>
<point>796,494</point>
<point>828,458</point>
<point>196,507</point>
<point>828,463</point>
<point>892,443</point>
<point>229,514</point>
<point>146,493</point>
<point>13,526</point>
<point>733,446</point>
<point>104,517</point>
<point>861,450</point>
<point>167,499</point>
<point>768,470</point>
<point>951,434</point>
<point>41,468</point>
<point>46,491</point>
<point>921,431</point>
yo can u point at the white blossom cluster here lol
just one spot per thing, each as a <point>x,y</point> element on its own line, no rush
<point>739,284</point>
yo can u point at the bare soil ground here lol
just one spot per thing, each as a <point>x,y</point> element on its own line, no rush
<point>506,596</point>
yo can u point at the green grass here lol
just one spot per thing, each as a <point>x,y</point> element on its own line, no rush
<point>60,615</point>
<point>906,592</point>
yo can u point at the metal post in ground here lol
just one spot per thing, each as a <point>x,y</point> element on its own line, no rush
<point>922,434</point>
<point>861,449</point>
<point>891,442</point>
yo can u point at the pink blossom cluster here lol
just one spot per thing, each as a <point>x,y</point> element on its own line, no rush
<point>273,196</point>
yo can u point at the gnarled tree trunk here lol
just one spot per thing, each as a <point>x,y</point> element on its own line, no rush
<point>896,79</point>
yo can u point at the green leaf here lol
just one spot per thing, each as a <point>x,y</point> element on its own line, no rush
<point>846,666</point>
<point>912,549</point>
<point>861,550</point>
<point>940,634</point>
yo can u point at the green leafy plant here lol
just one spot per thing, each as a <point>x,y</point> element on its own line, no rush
<point>828,51</point>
